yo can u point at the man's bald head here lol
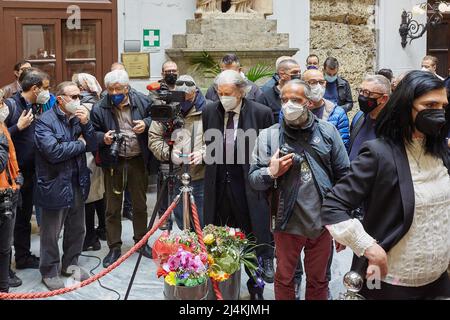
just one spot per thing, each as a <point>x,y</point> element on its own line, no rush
<point>313,74</point>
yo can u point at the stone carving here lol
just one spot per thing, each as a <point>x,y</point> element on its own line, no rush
<point>241,6</point>
<point>208,6</point>
<point>236,7</point>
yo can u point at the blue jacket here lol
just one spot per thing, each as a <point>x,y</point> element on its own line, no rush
<point>61,159</point>
<point>326,142</point>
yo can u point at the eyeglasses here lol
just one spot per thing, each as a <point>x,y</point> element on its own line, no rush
<point>74,97</point>
<point>367,93</point>
<point>170,71</point>
<point>314,82</point>
<point>188,83</point>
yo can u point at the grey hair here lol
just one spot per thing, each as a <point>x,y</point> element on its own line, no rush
<point>61,88</point>
<point>232,77</point>
<point>117,76</point>
<point>286,64</point>
<point>381,81</point>
<point>306,87</point>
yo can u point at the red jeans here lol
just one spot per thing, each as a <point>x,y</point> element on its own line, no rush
<point>288,248</point>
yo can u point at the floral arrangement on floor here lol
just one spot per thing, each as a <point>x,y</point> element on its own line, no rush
<point>180,259</point>
<point>227,249</point>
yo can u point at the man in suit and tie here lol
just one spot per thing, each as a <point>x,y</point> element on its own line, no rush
<point>229,199</point>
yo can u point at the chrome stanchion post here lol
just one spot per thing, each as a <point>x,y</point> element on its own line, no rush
<point>353,282</point>
<point>186,189</point>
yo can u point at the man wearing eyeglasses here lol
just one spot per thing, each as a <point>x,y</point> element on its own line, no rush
<point>62,137</point>
<point>188,145</point>
<point>372,97</point>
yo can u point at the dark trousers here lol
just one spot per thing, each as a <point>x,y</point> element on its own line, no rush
<point>137,186</point>
<point>52,222</point>
<point>197,191</point>
<point>439,289</point>
<point>317,253</point>
<point>22,228</point>
<point>91,209</point>
<point>6,241</point>
<point>231,210</point>
<point>127,207</point>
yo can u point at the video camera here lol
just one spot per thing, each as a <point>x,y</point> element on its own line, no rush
<point>167,106</point>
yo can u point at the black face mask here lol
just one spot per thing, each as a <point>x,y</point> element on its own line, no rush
<point>171,79</point>
<point>430,121</point>
<point>367,105</point>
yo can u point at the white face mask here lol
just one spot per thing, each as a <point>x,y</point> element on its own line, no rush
<point>425,69</point>
<point>43,97</point>
<point>229,103</point>
<point>72,106</point>
<point>317,92</point>
<point>293,111</point>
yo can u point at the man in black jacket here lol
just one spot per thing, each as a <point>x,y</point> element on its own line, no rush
<point>121,120</point>
<point>24,107</point>
<point>229,199</point>
<point>338,89</point>
<point>287,70</point>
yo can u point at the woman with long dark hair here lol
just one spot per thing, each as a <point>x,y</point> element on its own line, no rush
<point>403,181</point>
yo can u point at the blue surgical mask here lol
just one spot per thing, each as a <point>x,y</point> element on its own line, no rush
<point>186,106</point>
<point>117,99</point>
<point>330,78</point>
<point>312,67</point>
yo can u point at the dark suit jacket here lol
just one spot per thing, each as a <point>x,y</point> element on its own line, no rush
<point>253,116</point>
<point>380,179</point>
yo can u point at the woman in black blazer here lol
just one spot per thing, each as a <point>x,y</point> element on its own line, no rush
<point>403,181</point>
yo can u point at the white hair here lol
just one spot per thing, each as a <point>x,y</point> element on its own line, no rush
<point>117,76</point>
<point>234,78</point>
<point>296,82</point>
<point>185,88</point>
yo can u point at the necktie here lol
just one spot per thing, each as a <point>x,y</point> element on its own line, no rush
<point>229,138</point>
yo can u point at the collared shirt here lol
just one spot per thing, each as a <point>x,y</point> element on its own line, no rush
<point>130,147</point>
<point>237,113</point>
<point>366,133</point>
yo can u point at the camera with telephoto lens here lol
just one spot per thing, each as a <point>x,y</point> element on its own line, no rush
<point>118,139</point>
<point>167,107</point>
<point>285,149</point>
<point>6,204</point>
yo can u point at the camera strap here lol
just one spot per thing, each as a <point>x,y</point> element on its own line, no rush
<point>125,166</point>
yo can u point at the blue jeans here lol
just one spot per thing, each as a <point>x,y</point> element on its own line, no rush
<point>197,191</point>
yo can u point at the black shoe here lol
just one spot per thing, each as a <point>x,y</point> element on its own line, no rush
<point>95,246</point>
<point>298,286</point>
<point>128,214</point>
<point>30,262</point>
<point>101,233</point>
<point>256,293</point>
<point>147,251</point>
<point>268,272</point>
<point>111,257</point>
<point>14,280</point>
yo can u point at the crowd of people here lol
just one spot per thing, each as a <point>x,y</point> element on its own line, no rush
<point>282,162</point>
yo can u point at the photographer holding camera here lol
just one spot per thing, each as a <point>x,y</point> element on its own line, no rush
<point>312,158</point>
<point>121,120</point>
<point>188,144</point>
<point>10,181</point>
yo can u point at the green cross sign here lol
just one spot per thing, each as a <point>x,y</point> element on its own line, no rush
<point>152,38</point>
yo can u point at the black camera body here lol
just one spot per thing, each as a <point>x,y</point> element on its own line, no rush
<point>6,204</point>
<point>118,139</point>
<point>285,149</point>
<point>167,107</point>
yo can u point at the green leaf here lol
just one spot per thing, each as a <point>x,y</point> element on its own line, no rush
<point>259,71</point>
<point>205,64</point>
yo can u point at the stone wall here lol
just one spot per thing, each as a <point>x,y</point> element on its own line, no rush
<point>345,29</point>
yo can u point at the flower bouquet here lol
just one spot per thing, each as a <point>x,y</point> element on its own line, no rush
<point>228,249</point>
<point>182,265</point>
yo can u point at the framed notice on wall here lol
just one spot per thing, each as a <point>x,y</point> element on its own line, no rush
<point>137,64</point>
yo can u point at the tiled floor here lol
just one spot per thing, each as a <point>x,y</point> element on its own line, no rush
<point>146,286</point>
